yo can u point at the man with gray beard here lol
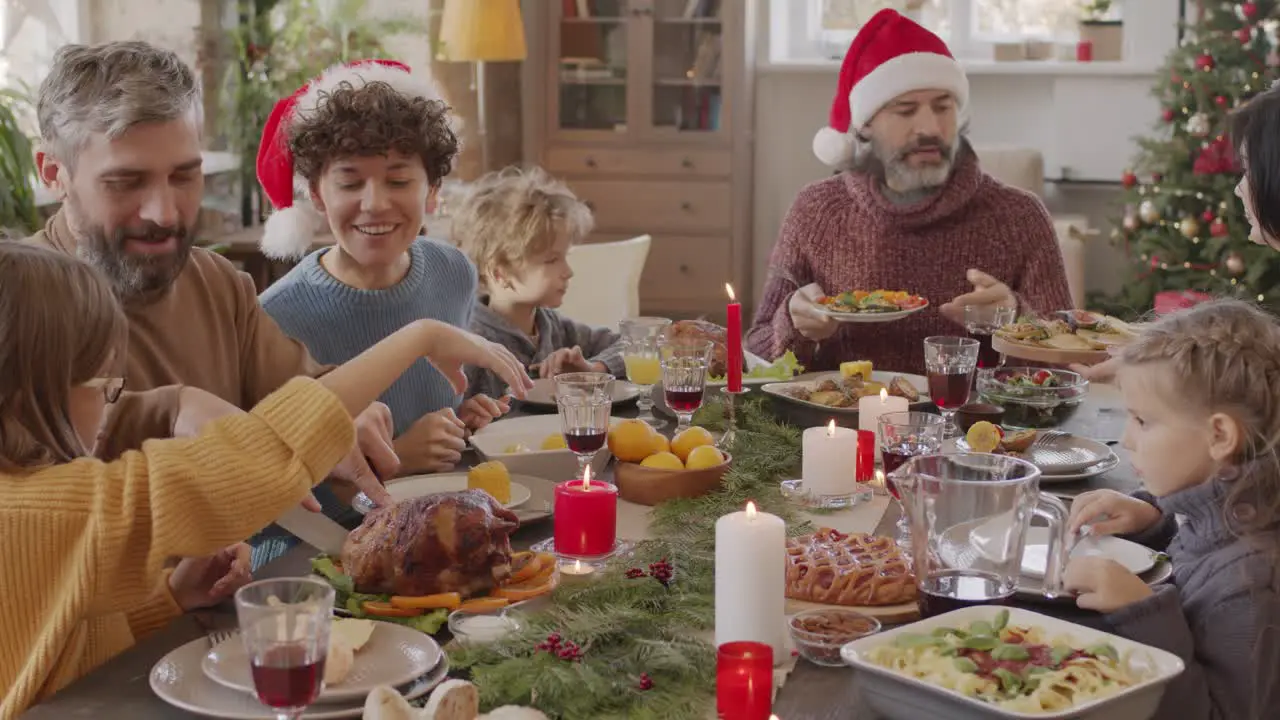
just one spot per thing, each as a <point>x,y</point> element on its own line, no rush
<point>909,210</point>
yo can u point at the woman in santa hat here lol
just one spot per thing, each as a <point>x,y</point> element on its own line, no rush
<point>359,154</point>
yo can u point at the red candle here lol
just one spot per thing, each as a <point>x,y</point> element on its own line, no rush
<point>734,341</point>
<point>744,681</point>
<point>586,519</point>
<point>866,460</point>
<point>1084,51</point>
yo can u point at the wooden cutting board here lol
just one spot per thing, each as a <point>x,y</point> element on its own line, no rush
<point>886,614</point>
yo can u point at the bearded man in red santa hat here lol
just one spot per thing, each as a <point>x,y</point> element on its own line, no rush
<point>909,210</point>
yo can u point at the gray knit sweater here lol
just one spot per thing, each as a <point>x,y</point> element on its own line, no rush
<point>1221,614</point>
<point>555,331</point>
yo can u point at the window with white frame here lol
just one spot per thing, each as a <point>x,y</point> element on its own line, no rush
<point>809,30</point>
<point>30,32</point>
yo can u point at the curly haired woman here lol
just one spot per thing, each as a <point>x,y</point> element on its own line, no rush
<point>363,150</point>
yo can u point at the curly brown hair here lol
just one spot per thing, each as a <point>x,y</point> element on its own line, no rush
<point>373,119</point>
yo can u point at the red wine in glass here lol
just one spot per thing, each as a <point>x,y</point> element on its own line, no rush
<point>585,440</point>
<point>949,590</point>
<point>684,399</point>
<point>987,355</point>
<point>288,676</point>
<point>950,390</point>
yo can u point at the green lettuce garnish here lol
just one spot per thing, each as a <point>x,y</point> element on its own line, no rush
<point>784,368</point>
<point>346,597</point>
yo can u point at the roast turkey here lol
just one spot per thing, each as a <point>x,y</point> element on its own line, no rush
<point>448,542</point>
<point>705,330</point>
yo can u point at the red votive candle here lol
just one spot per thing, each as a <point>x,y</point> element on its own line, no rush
<point>866,460</point>
<point>733,342</point>
<point>1084,51</point>
<point>744,681</point>
<point>586,520</point>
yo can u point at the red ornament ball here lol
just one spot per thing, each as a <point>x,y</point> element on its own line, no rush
<point>1221,100</point>
<point>1208,215</point>
<point>1128,179</point>
<point>1218,228</point>
<point>1167,115</point>
<point>1204,62</point>
<point>1249,10</point>
<point>1244,34</point>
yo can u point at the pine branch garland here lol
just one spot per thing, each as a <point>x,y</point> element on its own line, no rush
<point>629,626</point>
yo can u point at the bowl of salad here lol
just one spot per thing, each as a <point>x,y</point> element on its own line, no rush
<point>1033,398</point>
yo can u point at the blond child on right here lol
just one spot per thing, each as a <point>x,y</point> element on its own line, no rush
<point>517,227</point>
<point>1200,387</point>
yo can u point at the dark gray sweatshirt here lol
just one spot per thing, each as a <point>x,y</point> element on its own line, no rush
<point>1221,613</point>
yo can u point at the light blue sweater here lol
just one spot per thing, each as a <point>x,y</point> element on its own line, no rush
<point>337,322</point>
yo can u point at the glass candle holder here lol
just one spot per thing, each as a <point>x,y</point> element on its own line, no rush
<point>744,681</point>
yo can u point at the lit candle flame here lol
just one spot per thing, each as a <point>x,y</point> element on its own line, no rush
<point>751,510</point>
<point>586,478</point>
<point>880,478</point>
<point>577,566</point>
<point>729,289</point>
<point>831,428</point>
<point>884,396</point>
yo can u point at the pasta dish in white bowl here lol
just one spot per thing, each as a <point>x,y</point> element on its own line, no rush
<point>993,662</point>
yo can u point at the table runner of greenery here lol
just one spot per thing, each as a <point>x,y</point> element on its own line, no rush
<point>627,644</point>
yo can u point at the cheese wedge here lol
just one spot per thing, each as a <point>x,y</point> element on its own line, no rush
<point>493,478</point>
<point>856,367</point>
<point>338,664</point>
<point>351,632</point>
<point>452,700</point>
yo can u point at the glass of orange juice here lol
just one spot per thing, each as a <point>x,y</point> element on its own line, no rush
<point>640,339</point>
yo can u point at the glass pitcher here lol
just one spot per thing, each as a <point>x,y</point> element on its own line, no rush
<point>969,515</point>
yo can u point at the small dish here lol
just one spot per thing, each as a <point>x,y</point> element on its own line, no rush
<point>819,634</point>
<point>478,628</point>
<point>973,412</point>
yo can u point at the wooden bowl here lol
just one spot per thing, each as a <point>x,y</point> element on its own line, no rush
<point>651,486</point>
<point>972,412</point>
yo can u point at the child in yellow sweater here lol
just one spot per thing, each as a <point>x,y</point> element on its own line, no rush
<point>86,541</point>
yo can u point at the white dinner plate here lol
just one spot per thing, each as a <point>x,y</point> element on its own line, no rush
<point>868,317</point>
<point>179,680</point>
<point>543,393</point>
<point>1136,558</point>
<point>415,486</point>
<point>394,655</point>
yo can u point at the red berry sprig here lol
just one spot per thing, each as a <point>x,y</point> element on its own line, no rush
<point>661,571</point>
<point>646,682</point>
<point>564,649</point>
<point>634,573</point>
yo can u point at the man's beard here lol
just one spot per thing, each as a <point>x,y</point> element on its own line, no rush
<point>891,165</point>
<point>134,276</point>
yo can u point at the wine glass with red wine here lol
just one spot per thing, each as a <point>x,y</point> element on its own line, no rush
<point>904,435</point>
<point>949,363</point>
<point>585,401</point>
<point>285,626</point>
<point>981,321</point>
<point>684,376</point>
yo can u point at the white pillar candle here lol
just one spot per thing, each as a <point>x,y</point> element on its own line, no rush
<point>828,460</point>
<point>751,579</point>
<point>870,409</point>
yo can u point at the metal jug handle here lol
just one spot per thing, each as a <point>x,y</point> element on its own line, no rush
<point>1054,512</point>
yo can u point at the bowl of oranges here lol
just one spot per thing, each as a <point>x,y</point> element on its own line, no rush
<point>652,470</point>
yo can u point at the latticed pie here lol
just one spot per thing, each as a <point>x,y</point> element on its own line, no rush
<point>857,569</point>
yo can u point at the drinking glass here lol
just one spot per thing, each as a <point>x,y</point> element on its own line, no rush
<point>969,518</point>
<point>684,376</point>
<point>640,339</point>
<point>285,627</point>
<point>950,364</point>
<point>980,321</point>
<point>904,435</point>
<point>585,401</point>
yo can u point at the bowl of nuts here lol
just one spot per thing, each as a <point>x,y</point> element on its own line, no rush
<point>819,634</point>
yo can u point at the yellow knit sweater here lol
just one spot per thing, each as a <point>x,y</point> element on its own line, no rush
<point>85,543</point>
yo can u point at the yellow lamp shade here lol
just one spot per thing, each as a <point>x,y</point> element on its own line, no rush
<point>481,31</point>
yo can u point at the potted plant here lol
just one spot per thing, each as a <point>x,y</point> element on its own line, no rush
<point>18,213</point>
<point>1101,28</point>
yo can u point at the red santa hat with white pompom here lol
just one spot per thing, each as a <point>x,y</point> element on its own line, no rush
<point>291,229</point>
<point>891,55</point>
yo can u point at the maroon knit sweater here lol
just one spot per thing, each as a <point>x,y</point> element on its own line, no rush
<point>844,234</point>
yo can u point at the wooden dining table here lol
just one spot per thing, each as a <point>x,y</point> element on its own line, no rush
<point>120,689</point>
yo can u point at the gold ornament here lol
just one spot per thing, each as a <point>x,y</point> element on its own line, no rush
<point>1235,264</point>
<point>1189,227</point>
<point>1148,212</point>
<point>1130,222</point>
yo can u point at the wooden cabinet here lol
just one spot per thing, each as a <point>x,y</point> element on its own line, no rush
<point>644,108</point>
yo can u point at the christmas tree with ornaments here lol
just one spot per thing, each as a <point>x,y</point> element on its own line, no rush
<point>1183,228</point>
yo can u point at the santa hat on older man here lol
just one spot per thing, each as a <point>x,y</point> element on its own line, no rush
<point>890,56</point>
<point>290,230</point>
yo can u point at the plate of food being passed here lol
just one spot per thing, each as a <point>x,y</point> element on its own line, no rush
<point>871,306</point>
<point>1063,337</point>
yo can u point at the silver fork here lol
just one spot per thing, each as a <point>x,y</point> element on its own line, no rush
<point>1047,438</point>
<point>217,637</point>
